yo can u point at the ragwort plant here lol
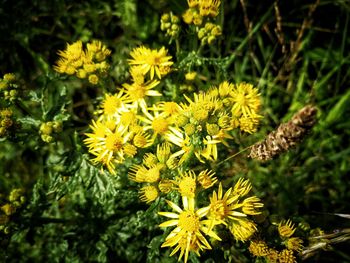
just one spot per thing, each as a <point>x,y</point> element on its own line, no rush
<point>164,137</point>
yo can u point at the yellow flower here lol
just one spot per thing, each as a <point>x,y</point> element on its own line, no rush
<point>151,60</point>
<point>246,99</point>
<point>286,256</point>
<point>8,209</point>
<point>130,150</point>
<point>156,122</point>
<point>186,184</point>
<point>190,75</point>
<point>112,104</point>
<point>107,145</point>
<point>72,52</point>
<point>207,179</point>
<point>93,79</point>
<point>138,92</point>
<point>137,173</point>
<point>272,255</point>
<point>193,3</point>
<point>97,51</point>
<point>127,117</point>
<point>88,63</point>
<point>294,243</point>
<point>249,122</point>
<point>242,229</point>
<point>149,193</point>
<point>209,7</point>
<point>142,139</point>
<point>228,209</point>
<point>141,174</point>
<point>286,228</point>
<point>222,207</point>
<point>258,248</point>
<point>163,152</point>
<point>165,185</point>
<point>149,159</point>
<point>188,234</point>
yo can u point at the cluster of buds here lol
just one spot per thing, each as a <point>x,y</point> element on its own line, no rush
<point>170,24</point>
<point>6,121</point>
<point>9,87</point>
<point>209,33</point>
<point>89,63</point>
<point>293,245</point>
<point>15,201</point>
<point>48,129</point>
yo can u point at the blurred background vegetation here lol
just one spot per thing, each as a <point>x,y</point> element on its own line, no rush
<point>295,52</point>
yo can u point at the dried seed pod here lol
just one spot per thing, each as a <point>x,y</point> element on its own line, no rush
<point>287,135</point>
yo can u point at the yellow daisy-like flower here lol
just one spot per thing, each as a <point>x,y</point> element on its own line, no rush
<point>246,100</point>
<point>223,207</point>
<point>228,209</point>
<point>113,104</point>
<point>188,234</point>
<point>106,144</point>
<point>148,193</point>
<point>157,122</point>
<point>151,60</point>
<point>286,228</point>
<point>138,92</point>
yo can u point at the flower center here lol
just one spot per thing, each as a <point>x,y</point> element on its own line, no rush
<point>150,193</point>
<point>241,99</point>
<point>114,142</point>
<point>152,175</point>
<point>187,186</point>
<point>160,125</point>
<point>111,104</point>
<point>127,118</point>
<point>189,221</point>
<point>218,209</point>
<point>137,92</point>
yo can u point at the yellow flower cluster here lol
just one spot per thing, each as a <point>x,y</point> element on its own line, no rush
<point>200,14</point>
<point>48,129</point>
<point>6,121</point>
<point>130,119</point>
<point>192,225</point>
<point>89,63</point>
<point>15,200</point>
<point>199,9</point>
<point>154,61</point>
<point>206,120</point>
<point>286,229</point>
<point>125,122</point>
<point>9,87</point>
